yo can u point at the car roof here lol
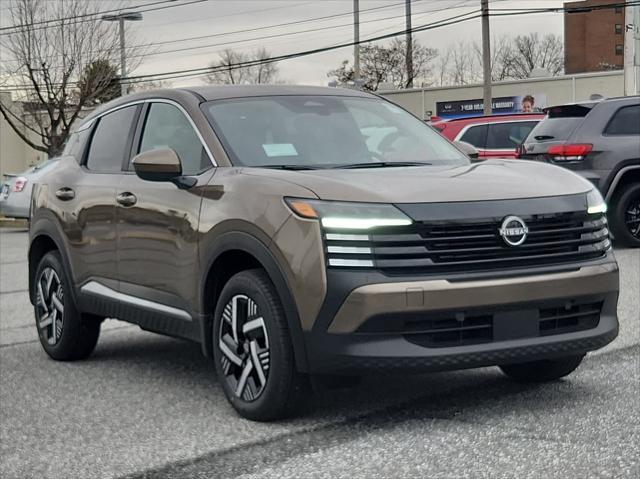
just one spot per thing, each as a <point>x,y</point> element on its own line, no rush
<point>223,92</point>
<point>493,118</point>
<point>219,92</point>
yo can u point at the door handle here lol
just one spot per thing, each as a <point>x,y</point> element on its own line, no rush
<point>126,199</point>
<point>65,194</point>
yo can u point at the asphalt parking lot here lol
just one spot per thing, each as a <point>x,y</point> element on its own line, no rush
<point>148,406</point>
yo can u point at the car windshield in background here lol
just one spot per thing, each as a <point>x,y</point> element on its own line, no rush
<point>326,132</point>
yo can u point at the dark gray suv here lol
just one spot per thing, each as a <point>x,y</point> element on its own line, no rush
<point>601,141</point>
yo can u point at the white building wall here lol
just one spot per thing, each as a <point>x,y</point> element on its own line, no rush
<point>558,90</point>
<point>15,155</point>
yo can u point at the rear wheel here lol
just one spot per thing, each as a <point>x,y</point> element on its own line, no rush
<point>542,371</point>
<point>253,352</point>
<point>65,333</point>
<point>625,216</point>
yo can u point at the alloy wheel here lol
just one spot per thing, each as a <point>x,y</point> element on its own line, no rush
<point>244,344</point>
<point>50,305</point>
<point>632,217</point>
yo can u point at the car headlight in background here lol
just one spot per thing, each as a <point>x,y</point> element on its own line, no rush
<point>349,216</point>
<point>595,202</point>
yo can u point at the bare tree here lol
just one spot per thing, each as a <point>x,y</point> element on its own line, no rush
<point>237,68</point>
<point>57,68</point>
<point>501,53</point>
<point>464,65</point>
<point>387,64</point>
<point>532,51</point>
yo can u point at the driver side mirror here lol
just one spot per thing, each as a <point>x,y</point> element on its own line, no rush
<point>162,164</point>
<point>468,149</point>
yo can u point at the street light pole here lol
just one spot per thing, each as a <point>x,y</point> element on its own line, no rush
<point>409,52</point>
<point>121,18</point>
<point>123,59</point>
<point>356,39</point>
<point>486,58</point>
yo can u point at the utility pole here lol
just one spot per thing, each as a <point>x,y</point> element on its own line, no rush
<point>356,39</point>
<point>631,50</point>
<point>409,58</point>
<point>121,18</point>
<point>486,57</point>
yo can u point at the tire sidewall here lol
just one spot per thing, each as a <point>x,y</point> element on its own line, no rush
<point>622,233</point>
<point>280,355</point>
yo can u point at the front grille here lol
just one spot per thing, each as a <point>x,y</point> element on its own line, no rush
<point>569,318</point>
<point>471,245</point>
<point>478,326</point>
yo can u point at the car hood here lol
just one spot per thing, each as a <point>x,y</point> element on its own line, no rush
<point>487,180</point>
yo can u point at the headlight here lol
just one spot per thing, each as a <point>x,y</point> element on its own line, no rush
<point>349,216</point>
<point>595,202</point>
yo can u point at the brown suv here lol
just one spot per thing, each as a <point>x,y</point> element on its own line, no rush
<point>296,232</point>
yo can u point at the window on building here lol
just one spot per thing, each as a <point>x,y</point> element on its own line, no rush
<point>619,50</point>
<point>618,29</point>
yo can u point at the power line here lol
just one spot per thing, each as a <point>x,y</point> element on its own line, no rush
<point>88,17</point>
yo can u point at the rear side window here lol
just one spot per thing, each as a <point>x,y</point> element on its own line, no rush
<point>111,141</point>
<point>626,121</point>
<point>167,127</point>
<point>476,136</point>
<point>75,144</point>
<point>508,136</point>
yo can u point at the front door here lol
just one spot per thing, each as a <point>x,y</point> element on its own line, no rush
<point>157,223</point>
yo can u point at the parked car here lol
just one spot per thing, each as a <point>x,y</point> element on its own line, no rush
<point>496,136</point>
<point>15,195</point>
<point>600,140</point>
<point>263,223</point>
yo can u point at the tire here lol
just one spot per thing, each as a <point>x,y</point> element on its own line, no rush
<point>542,371</point>
<point>261,351</point>
<point>625,216</point>
<point>65,333</point>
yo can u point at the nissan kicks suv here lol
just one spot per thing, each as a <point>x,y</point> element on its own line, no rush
<point>299,232</point>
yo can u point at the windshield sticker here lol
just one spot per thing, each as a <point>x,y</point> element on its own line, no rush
<point>279,149</point>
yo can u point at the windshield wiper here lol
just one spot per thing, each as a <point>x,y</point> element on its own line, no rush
<point>288,167</point>
<point>382,164</point>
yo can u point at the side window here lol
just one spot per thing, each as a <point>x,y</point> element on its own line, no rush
<point>476,136</point>
<point>111,140</point>
<point>507,136</point>
<point>75,144</point>
<point>167,127</point>
<point>626,121</point>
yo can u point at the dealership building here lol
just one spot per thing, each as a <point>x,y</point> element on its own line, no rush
<point>466,100</point>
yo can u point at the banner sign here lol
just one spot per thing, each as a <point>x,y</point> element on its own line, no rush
<point>500,105</point>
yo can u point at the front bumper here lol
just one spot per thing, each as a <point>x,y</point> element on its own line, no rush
<point>368,330</point>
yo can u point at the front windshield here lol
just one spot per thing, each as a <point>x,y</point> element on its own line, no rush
<point>325,132</point>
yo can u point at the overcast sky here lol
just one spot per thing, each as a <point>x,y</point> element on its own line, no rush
<point>222,16</point>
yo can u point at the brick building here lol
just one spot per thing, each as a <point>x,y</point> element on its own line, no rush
<point>593,39</point>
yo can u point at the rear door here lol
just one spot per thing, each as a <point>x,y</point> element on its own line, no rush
<point>86,194</point>
<point>157,221</point>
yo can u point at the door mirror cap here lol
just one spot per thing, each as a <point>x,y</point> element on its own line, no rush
<point>468,149</point>
<point>162,164</point>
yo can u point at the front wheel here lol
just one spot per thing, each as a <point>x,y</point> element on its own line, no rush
<point>252,349</point>
<point>542,371</point>
<point>625,216</point>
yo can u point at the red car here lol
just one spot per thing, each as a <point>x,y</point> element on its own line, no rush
<point>496,136</point>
